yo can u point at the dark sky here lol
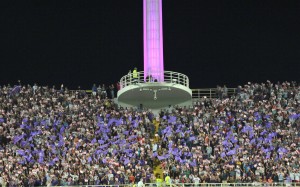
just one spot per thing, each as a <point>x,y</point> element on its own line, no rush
<point>86,42</point>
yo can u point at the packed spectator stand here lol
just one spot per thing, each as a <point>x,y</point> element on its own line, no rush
<point>62,137</point>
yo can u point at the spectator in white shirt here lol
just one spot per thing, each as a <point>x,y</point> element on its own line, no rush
<point>140,183</point>
<point>196,180</point>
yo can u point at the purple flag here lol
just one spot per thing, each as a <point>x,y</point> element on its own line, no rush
<point>110,122</point>
<point>260,139</point>
<point>193,163</point>
<point>15,90</point>
<point>282,150</point>
<point>35,133</point>
<point>43,122</point>
<point>21,152</point>
<point>62,130</point>
<point>51,163</point>
<point>18,138</point>
<point>178,131</point>
<point>94,141</point>
<point>294,116</point>
<point>122,142</point>
<point>273,134</point>
<point>231,152</point>
<point>116,137</point>
<point>131,155</point>
<point>233,140</point>
<point>268,155</point>
<point>23,143</point>
<point>223,155</point>
<point>118,122</point>
<point>265,150</point>
<point>127,151</point>
<point>225,143</point>
<point>174,152</point>
<point>251,134</point>
<point>115,151</point>
<point>172,119</point>
<point>23,126</point>
<point>41,160</point>
<point>55,159</point>
<point>177,158</point>
<point>61,143</point>
<point>25,120</point>
<point>263,132</point>
<point>252,141</point>
<point>136,124</point>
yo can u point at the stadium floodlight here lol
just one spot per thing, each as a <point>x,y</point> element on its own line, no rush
<point>153,40</point>
<point>156,87</point>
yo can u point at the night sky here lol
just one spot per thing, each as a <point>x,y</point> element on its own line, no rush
<point>85,42</point>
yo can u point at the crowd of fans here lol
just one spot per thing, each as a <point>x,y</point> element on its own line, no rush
<point>61,137</point>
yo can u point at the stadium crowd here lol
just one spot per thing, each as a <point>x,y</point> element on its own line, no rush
<point>61,137</point>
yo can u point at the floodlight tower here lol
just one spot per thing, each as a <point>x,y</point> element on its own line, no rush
<point>153,40</point>
<point>154,88</point>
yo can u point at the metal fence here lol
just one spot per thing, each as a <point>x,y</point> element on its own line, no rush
<point>283,184</point>
<point>196,93</point>
<point>166,77</point>
<point>210,92</point>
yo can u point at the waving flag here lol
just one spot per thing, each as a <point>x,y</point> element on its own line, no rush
<point>16,90</point>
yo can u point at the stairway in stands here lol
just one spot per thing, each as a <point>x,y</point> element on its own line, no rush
<point>157,170</point>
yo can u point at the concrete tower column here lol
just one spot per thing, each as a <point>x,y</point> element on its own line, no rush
<point>153,40</point>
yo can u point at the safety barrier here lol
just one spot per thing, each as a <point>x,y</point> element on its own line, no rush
<point>283,184</point>
<point>196,93</point>
<point>210,92</point>
<point>165,77</point>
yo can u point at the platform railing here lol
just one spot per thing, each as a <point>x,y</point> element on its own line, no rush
<point>210,93</point>
<point>196,93</point>
<point>283,184</point>
<point>166,77</point>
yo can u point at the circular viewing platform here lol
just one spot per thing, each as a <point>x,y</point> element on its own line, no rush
<point>136,90</point>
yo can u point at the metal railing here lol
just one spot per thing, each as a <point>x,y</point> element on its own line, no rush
<point>166,77</point>
<point>210,93</point>
<point>283,184</point>
<point>196,93</point>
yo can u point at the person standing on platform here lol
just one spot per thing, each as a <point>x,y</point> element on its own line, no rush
<point>103,92</point>
<point>135,76</point>
<point>112,91</point>
<point>99,90</point>
<point>118,86</point>
<point>94,90</point>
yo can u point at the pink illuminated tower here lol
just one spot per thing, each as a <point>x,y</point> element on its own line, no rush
<point>153,40</point>
<point>171,88</point>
